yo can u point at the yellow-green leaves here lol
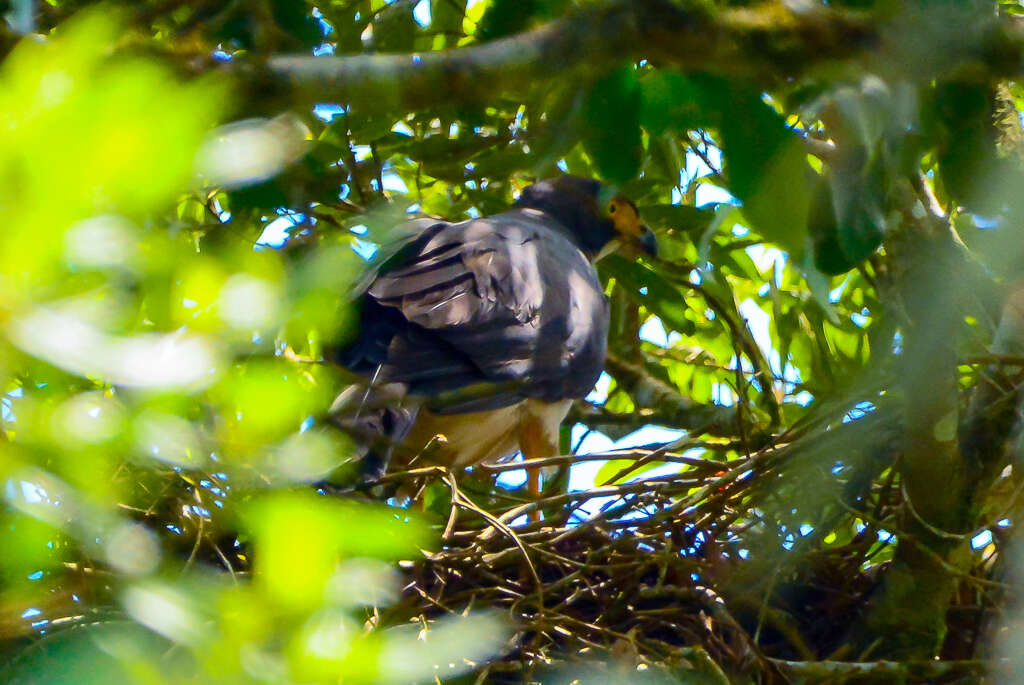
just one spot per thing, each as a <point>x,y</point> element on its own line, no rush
<point>264,401</point>
<point>105,134</point>
<point>87,140</point>
<point>301,538</point>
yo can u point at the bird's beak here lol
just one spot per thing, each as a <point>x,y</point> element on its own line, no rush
<point>648,242</point>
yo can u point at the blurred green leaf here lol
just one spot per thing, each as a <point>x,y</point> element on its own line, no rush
<point>766,166</point>
<point>30,545</point>
<point>300,539</point>
<point>847,216</point>
<point>610,125</point>
<point>263,401</point>
<point>293,18</point>
<point>64,95</point>
<point>504,17</point>
<point>963,115</point>
<point>671,102</point>
<point>645,286</point>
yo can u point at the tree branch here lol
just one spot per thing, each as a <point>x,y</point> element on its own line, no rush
<point>768,42</point>
<point>945,471</point>
<point>673,409</point>
<point>890,671</point>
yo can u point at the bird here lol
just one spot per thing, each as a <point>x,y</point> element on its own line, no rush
<point>475,337</point>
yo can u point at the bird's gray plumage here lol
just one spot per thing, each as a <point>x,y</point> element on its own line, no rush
<point>484,331</point>
<point>507,299</point>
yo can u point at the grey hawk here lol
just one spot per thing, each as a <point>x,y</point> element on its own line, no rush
<point>476,336</point>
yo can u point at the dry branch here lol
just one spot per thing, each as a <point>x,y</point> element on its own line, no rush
<point>658,567</point>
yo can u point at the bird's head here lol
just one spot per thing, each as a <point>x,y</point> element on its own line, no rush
<point>597,217</point>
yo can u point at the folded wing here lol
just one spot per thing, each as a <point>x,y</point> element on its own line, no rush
<point>505,301</point>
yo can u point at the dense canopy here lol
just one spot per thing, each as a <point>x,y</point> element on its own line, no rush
<point>801,465</point>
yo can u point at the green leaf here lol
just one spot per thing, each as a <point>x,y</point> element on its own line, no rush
<point>767,168</point>
<point>610,126</point>
<point>818,282</point>
<point>610,469</point>
<point>502,162</point>
<point>968,159</point>
<point>860,216</point>
<point>265,196</point>
<point>663,299</point>
<point>441,148</point>
<point>506,17</point>
<point>293,17</point>
<point>395,28</point>
<point>620,402</point>
<point>847,219</point>
<point>300,537</point>
<point>364,126</point>
<point>680,217</point>
<point>671,102</point>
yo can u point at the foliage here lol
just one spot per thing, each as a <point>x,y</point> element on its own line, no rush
<point>831,335</point>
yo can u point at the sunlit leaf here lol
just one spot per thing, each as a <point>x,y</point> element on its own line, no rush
<point>300,539</point>
<point>251,151</point>
<point>147,361</point>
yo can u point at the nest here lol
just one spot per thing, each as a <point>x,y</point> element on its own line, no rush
<point>701,571</point>
<point>751,569</point>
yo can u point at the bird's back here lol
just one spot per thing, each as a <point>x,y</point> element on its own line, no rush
<point>506,300</point>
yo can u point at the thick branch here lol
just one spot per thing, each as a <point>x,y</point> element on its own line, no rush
<point>890,671</point>
<point>992,415</point>
<point>939,485</point>
<point>770,43</point>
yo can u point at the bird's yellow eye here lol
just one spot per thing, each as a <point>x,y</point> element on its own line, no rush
<point>611,208</point>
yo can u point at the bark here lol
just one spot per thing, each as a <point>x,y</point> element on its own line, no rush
<point>768,43</point>
<point>948,464</point>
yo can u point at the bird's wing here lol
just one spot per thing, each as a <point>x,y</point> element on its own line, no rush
<point>505,300</point>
